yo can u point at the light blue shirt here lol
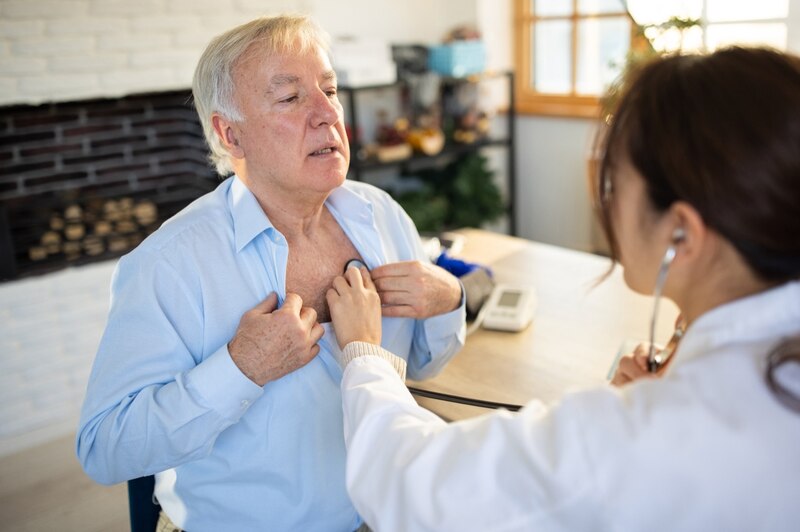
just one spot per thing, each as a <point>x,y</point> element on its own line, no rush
<point>165,397</point>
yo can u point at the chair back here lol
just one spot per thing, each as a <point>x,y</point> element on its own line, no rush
<point>142,508</point>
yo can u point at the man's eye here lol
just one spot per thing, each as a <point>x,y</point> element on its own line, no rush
<point>289,99</point>
<point>331,92</point>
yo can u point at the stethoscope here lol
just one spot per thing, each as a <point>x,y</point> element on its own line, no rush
<point>657,358</point>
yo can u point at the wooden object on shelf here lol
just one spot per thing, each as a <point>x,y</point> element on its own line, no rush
<point>394,152</point>
<point>427,141</point>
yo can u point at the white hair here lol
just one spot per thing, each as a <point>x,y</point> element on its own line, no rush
<point>213,87</point>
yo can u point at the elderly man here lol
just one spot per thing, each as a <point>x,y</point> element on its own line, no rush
<point>217,371</point>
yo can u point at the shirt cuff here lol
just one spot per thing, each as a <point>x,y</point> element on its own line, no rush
<point>220,384</point>
<point>355,350</point>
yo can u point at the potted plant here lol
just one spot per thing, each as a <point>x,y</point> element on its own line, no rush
<point>462,194</point>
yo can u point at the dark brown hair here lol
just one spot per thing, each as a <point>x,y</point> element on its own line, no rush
<point>722,133</point>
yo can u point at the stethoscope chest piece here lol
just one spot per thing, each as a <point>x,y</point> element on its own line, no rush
<point>354,263</point>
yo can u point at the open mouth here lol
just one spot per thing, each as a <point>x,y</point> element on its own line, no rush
<point>324,151</point>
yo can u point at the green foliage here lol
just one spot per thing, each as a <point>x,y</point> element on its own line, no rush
<point>426,208</point>
<point>462,194</point>
<point>474,191</point>
<point>640,53</point>
<point>679,23</point>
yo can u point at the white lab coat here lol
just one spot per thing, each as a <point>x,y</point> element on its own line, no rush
<point>707,447</point>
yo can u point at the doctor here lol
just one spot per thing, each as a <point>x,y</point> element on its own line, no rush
<point>702,160</point>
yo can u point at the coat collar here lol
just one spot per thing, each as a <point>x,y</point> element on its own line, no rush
<point>768,315</point>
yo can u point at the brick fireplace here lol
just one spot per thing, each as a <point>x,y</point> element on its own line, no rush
<point>88,180</point>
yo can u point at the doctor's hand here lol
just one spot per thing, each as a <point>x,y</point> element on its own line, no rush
<point>633,366</point>
<point>414,289</point>
<point>270,343</point>
<point>355,308</point>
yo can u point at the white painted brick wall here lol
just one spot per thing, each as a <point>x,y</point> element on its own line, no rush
<point>43,9</point>
<point>20,28</point>
<point>48,46</point>
<point>50,327</point>
<point>60,50</point>
<point>96,26</point>
<point>14,67</point>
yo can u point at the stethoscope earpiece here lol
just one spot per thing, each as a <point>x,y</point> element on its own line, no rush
<point>678,235</point>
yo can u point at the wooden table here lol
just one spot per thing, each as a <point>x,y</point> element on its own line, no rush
<point>577,331</point>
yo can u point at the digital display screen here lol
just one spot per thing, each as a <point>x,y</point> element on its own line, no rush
<point>509,299</point>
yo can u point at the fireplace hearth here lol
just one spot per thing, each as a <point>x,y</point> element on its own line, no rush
<point>87,181</point>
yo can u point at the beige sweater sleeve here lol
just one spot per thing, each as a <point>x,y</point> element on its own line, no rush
<point>355,350</point>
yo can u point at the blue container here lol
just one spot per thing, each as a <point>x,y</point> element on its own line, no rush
<point>458,59</point>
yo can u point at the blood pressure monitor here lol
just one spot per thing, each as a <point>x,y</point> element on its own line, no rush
<point>509,308</point>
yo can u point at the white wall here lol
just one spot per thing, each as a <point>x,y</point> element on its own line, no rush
<point>59,50</point>
<point>552,156</point>
<point>50,327</point>
<point>407,21</point>
<point>793,36</point>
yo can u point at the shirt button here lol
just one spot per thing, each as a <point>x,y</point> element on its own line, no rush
<point>245,403</point>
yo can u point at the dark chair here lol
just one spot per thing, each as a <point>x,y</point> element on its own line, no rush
<point>141,505</point>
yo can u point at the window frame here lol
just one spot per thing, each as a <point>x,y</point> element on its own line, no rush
<point>706,23</point>
<point>532,102</point>
<point>529,101</point>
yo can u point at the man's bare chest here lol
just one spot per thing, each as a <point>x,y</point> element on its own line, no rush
<point>310,272</point>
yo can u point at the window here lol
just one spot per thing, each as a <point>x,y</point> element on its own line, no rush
<point>722,23</point>
<point>569,51</point>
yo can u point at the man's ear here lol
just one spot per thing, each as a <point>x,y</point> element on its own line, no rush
<point>227,133</point>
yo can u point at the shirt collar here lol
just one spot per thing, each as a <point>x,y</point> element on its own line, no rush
<point>772,314</point>
<point>346,204</point>
<point>249,219</point>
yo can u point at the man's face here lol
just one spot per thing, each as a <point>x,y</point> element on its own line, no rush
<point>293,134</point>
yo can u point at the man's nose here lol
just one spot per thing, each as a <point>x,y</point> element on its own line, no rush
<point>325,110</point>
